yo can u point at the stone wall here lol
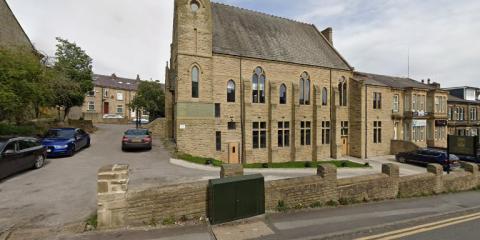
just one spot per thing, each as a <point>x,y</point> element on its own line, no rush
<point>158,127</point>
<point>119,206</point>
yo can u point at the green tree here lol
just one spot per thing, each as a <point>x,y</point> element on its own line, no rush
<point>150,97</point>
<point>74,75</point>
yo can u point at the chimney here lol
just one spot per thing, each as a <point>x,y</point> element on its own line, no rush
<point>423,80</point>
<point>114,76</point>
<point>138,77</point>
<point>328,34</point>
<point>428,81</point>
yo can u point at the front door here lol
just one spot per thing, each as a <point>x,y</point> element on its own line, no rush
<point>395,131</point>
<point>106,108</point>
<point>233,153</point>
<point>344,146</point>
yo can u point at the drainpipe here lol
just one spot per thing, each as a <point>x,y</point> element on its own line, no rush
<point>242,114</point>
<point>366,121</point>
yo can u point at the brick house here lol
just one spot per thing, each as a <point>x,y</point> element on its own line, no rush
<point>463,109</point>
<point>244,86</point>
<point>111,95</point>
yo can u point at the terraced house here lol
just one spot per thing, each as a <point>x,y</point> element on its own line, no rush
<point>463,109</point>
<point>244,86</point>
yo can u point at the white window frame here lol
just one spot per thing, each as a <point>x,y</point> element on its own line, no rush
<point>120,96</point>
<point>396,103</point>
<point>120,107</point>
<point>91,106</point>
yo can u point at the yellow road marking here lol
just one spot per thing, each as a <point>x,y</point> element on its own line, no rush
<point>422,228</point>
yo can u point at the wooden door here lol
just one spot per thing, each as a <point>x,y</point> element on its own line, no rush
<point>233,153</point>
<point>106,108</point>
<point>344,146</point>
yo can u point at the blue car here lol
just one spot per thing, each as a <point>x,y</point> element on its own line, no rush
<point>65,141</point>
<point>427,156</point>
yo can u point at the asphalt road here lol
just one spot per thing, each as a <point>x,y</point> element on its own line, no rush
<point>64,191</point>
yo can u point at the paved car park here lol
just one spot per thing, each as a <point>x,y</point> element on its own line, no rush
<point>64,191</point>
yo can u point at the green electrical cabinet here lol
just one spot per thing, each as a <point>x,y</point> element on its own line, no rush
<point>236,198</point>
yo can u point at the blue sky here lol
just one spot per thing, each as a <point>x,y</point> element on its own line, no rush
<point>133,36</point>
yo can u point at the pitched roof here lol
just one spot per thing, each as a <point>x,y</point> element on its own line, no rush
<point>247,33</point>
<point>115,82</point>
<point>391,81</point>
<point>452,98</point>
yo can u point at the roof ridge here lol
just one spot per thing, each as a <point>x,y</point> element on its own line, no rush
<point>263,13</point>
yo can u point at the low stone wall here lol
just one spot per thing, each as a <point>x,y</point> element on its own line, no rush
<point>119,206</point>
<point>158,127</point>
<point>398,146</point>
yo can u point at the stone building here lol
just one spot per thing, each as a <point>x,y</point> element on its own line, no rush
<point>463,109</point>
<point>111,95</point>
<point>11,32</point>
<point>244,86</point>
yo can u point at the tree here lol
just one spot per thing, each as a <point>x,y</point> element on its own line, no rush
<point>74,75</point>
<point>150,97</point>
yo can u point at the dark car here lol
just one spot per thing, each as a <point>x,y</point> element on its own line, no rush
<point>137,139</point>
<point>20,153</point>
<point>65,141</point>
<point>428,156</point>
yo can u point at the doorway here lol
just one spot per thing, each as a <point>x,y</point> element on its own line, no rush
<point>106,108</point>
<point>345,146</point>
<point>233,153</point>
<point>395,131</point>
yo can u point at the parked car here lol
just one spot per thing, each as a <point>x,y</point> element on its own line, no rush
<point>469,159</point>
<point>113,116</point>
<point>65,141</point>
<point>137,139</point>
<point>427,156</point>
<point>142,121</point>
<point>20,153</point>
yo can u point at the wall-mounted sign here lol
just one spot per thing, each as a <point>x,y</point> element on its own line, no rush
<point>183,126</point>
<point>419,123</point>
<point>441,123</point>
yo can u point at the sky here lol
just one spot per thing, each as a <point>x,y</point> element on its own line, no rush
<point>130,37</point>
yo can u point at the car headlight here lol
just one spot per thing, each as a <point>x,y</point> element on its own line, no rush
<point>60,146</point>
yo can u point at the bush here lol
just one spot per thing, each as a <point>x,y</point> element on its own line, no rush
<point>316,205</point>
<point>168,221</point>
<point>265,165</point>
<point>281,207</point>
<point>332,203</point>
<point>21,130</point>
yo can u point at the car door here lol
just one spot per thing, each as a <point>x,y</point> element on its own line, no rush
<point>78,140</point>
<point>84,137</point>
<point>8,166</point>
<point>26,154</point>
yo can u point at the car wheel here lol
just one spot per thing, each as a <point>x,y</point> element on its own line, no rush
<point>402,160</point>
<point>71,151</point>
<point>39,162</point>
<point>88,144</point>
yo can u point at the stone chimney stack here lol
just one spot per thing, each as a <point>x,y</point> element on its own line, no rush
<point>328,34</point>
<point>114,76</point>
<point>428,81</point>
<point>423,80</point>
<point>138,77</point>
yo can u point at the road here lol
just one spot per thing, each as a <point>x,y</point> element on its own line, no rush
<point>64,191</point>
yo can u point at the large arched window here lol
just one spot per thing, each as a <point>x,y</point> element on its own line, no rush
<point>304,89</point>
<point>258,86</point>
<point>283,94</point>
<point>324,96</point>
<point>231,91</point>
<point>342,89</point>
<point>195,81</point>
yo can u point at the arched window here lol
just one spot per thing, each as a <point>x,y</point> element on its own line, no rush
<point>342,89</point>
<point>258,86</point>
<point>305,89</point>
<point>283,94</point>
<point>231,91</point>
<point>324,96</point>
<point>195,81</point>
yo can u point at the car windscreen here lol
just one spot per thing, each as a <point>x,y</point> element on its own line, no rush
<point>2,144</point>
<point>60,134</point>
<point>136,132</point>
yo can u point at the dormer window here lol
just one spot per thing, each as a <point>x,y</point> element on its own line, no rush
<point>194,6</point>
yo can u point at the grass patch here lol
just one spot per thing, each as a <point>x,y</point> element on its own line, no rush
<point>199,160</point>
<point>338,164</point>
<point>91,223</point>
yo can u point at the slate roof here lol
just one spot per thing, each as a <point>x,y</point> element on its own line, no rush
<point>115,82</point>
<point>247,33</point>
<point>391,81</point>
<point>452,98</point>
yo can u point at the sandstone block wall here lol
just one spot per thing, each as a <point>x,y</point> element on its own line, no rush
<point>158,127</point>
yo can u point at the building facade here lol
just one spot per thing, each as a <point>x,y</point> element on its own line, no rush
<point>11,32</point>
<point>244,86</point>
<point>463,109</point>
<point>111,96</point>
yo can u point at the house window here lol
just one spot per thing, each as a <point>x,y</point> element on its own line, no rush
<point>377,132</point>
<point>326,132</point>
<point>231,91</point>
<point>259,135</point>
<point>324,96</point>
<point>91,93</point>
<point>344,128</point>
<point>450,114</point>
<point>377,100</point>
<point>304,89</point>
<point>195,81</point>
<point>258,86</point>
<point>305,132</point>
<point>440,133</point>
<point>119,96</point>
<point>91,106</point>
<point>119,108</point>
<point>218,141</point>
<point>396,103</point>
<point>342,89</point>
<point>283,94</point>
<point>232,125</point>
<point>105,93</point>
<point>473,114</point>
<point>414,103</point>
<point>283,134</point>
<point>462,114</point>
<point>217,110</point>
